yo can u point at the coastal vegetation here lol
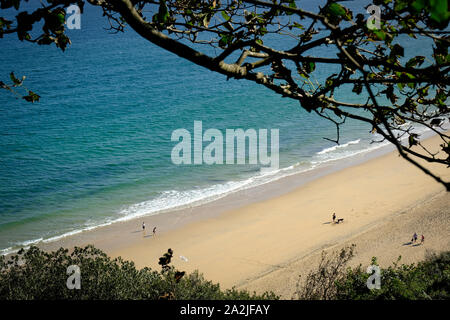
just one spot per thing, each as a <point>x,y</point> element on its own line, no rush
<point>34,274</point>
<point>334,280</point>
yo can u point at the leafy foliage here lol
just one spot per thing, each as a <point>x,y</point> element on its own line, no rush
<point>17,83</point>
<point>429,279</point>
<point>35,274</point>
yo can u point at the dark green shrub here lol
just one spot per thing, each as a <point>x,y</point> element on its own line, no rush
<point>35,274</point>
<point>428,279</point>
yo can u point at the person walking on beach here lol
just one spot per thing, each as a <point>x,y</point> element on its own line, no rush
<point>422,239</point>
<point>143,228</point>
<point>415,237</point>
<point>334,216</point>
<point>154,231</point>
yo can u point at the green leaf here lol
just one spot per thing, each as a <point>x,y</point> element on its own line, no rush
<point>225,40</point>
<point>163,12</point>
<point>225,16</point>
<point>309,66</point>
<point>400,5</point>
<point>62,41</point>
<point>13,78</point>
<point>412,140</point>
<point>380,34</point>
<point>423,92</point>
<point>61,17</point>
<point>297,25</point>
<point>416,61</point>
<point>439,10</point>
<point>418,5</point>
<point>336,9</point>
<point>31,97</point>
<point>292,4</point>
<point>330,80</point>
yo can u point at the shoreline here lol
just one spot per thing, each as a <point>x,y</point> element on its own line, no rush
<point>250,235</point>
<point>244,244</point>
<point>173,219</point>
<point>281,184</point>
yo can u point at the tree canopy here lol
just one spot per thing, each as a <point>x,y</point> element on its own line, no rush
<point>279,45</point>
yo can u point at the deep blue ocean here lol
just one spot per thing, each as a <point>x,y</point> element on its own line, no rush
<point>97,147</point>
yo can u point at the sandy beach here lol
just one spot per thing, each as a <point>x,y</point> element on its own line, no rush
<point>265,244</point>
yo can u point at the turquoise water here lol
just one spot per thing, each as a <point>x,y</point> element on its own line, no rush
<point>97,148</point>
